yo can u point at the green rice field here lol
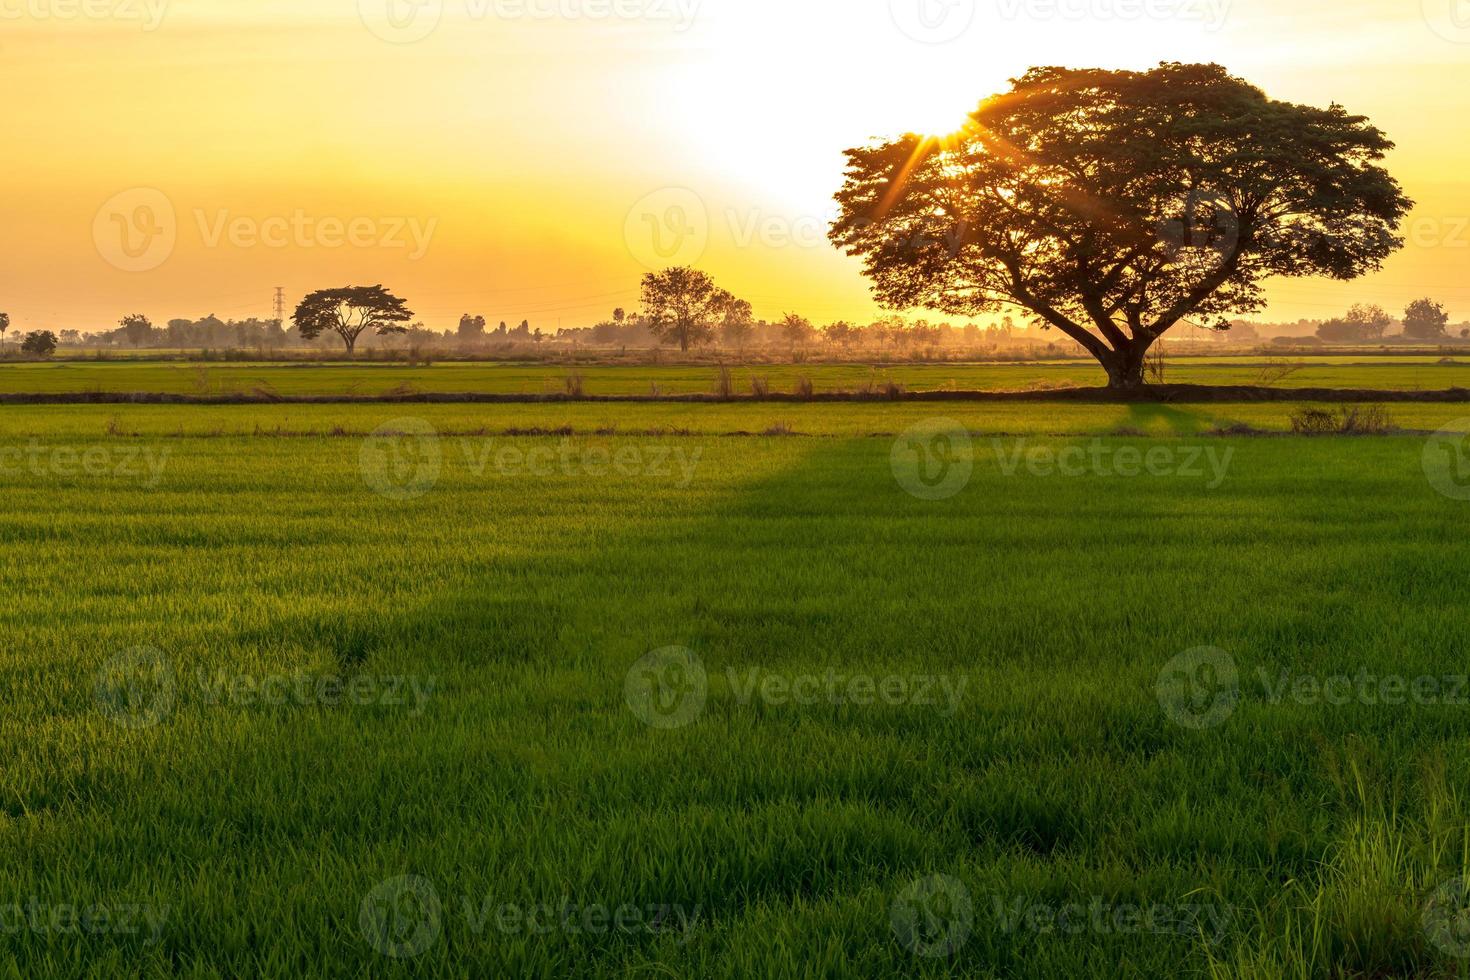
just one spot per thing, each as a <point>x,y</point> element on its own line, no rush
<point>343,378</point>
<point>856,690</point>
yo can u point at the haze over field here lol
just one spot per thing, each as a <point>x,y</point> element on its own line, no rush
<point>532,159</point>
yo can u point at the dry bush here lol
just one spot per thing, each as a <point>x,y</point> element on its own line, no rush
<point>1347,420</point>
<point>1153,365</point>
<point>1370,420</point>
<point>1275,370</point>
<point>779,429</point>
<point>803,386</point>
<point>1313,422</point>
<point>724,384</point>
<point>760,387</point>
<point>573,384</point>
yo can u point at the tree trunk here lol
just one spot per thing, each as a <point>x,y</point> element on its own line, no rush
<point>1125,366</point>
<point>351,344</point>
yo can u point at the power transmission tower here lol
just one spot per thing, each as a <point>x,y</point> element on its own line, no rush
<point>281,306</point>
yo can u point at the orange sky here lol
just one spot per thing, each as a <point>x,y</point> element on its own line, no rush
<point>530,158</point>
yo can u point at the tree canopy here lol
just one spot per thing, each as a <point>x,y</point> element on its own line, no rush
<point>1425,320</point>
<point>1112,205</point>
<point>684,306</point>
<point>137,328</point>
<point>39,343</point>
<point>349,311</point>
<point>1363,322</point>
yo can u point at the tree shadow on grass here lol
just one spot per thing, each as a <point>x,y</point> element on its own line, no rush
<point>820,564</point>
<point>1147,415</point>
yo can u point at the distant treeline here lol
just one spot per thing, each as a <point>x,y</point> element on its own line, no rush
<point>618,331</point>
<point>1423,321</point>
<point>1362,324</point>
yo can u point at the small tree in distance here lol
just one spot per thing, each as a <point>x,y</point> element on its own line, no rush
<point>1363,322</point>
<point>39,343</point>
<point>684,306</point>
<point>1425,320</point>
<point>739,325</point>
<point>349,311</point>
<point>839,334</point>
<point>1372,320</point>
<point>4,326</point>
<point>471,328</point>
<point>137,328</point>
<point>1341,331</point>
<point>796,329</point>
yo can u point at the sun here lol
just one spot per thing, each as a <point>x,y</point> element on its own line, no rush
<point>938,122</point>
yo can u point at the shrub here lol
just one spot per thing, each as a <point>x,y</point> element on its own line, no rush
<point>760,387</point>
<point>573,383</point>
<point>39,343</point>
<point>1313,422</point>
<point>1348,420</point>
<point>1365,420</point>
<point>803,386</point>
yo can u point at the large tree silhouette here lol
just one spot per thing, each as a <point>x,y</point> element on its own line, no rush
<point>349,311</point>
<point>1114,204</point>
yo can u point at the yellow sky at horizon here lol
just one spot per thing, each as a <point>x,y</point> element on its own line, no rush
<point>522,166</point>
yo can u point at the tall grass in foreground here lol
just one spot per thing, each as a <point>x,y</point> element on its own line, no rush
<point>1392,888</point>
